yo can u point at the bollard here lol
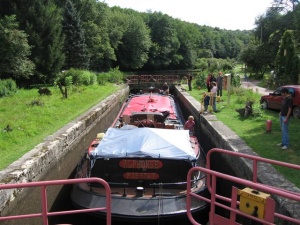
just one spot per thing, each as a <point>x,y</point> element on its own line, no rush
<point>268,125</point>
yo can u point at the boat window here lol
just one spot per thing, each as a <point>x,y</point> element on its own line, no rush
<point>158,117</point>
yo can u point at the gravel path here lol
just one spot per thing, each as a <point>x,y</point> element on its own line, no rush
<point>252,84</point>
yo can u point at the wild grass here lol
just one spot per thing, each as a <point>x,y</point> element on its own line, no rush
<point>253,129</point>
<point>33,117</point>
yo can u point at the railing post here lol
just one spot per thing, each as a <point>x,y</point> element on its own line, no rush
<point>44,205</point>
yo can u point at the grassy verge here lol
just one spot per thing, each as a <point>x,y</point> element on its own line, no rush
<point>253,129</point>
<point>32,117</point>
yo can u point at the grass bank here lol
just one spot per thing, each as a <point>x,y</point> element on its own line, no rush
<point>253,129</point>
<point>33,117</point>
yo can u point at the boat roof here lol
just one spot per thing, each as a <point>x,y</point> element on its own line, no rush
<point>130,141</point>
<point>151,102</point>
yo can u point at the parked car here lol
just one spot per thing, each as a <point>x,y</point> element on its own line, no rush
<point>274,100</point>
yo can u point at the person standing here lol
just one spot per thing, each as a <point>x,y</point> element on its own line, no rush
<point>245,77</point>
<point>190,78</point>
<point>284,117</point>
<point>212,79</point>
<point>213,93</point>
<point>190,125</point>
<point>219,84</point>
<point>206,99</point>
<point>165,89</point>
<point>208,82</point>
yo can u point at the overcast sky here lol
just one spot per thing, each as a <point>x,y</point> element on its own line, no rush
<point>225,14</point>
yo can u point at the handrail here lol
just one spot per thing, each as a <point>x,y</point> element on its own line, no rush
<point>252,157</point>
<point>233,209</point>
<point>45,214</point>
<point>211,184</point>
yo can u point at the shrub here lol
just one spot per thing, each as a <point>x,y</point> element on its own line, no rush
<point>36,103</point>
<point>75,74</point>
<point>102,78</point>
<point>93,78</point>
<point>7,87</point>
<point>79,77</point>
<point>85,78</point>
<point>44,91</point>
<point>243,95</point>
<point>200,80</point>
<point>115,76</point>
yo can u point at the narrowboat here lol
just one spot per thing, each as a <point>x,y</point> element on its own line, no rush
<point>145,157</point>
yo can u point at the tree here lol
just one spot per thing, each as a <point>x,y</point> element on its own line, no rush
<point>188,36</point>
<point>95,19</point>
<point>133,52</point>
<point>118,24</point>
<point>14,50</point>
<point>257,58</point>
<point>287,60</point>
<point>165,41</point>
<point>41,20</point>
<point>201,63</point>
<point>75,47</point>
<point>47,38</point>
<point>285,5</point>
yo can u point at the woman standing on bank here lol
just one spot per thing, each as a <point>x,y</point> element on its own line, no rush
<point>213,93</point>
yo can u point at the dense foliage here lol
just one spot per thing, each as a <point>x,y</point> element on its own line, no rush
<point>44,37</point>
<point>87,34</point>
<point>7,87</point>
<point>276,43</point>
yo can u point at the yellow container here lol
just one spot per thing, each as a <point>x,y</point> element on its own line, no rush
<point>218,98</point>
<point>253,202</point>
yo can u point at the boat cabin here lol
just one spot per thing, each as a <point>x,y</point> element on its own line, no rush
<point>144,157</point>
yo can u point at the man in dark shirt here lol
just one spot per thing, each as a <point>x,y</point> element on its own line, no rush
<point>219,80</point>
<point>190,78</point>
<point>284,117</point>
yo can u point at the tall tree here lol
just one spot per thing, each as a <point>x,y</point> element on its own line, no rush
<point>165,41</point>
<point>133,52</point>
<point>188,36</point>
<point>41,20</point>
<point>118,24</point>
<point>75,47</point>
<point>47,38</point>
<point>95,19</point>
<point>14,50</point>
<point>287,60</point>
<point>285,5</point>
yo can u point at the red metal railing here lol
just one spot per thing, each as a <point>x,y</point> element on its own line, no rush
<point>45,214</point>
<point>212,176</point>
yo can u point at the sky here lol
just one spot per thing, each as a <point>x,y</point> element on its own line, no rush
<point>224,14</point>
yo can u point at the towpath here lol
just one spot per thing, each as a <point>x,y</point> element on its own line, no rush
<point>253,84</point>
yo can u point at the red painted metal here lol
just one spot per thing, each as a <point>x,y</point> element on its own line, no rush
<point>45,214</point>
<point>212,176</point>
<point>269,125</point>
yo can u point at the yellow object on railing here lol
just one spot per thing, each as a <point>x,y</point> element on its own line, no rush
<point>253,202</point>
